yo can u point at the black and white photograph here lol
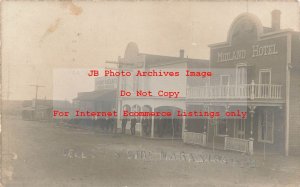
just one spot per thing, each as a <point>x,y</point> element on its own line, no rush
<point>145,93</point>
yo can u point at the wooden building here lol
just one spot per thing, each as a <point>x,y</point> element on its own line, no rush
<point>258,71</point>
<point>103,98</point>
<point>133,61</point>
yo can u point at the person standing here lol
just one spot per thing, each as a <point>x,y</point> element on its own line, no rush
<point>111,124</point>
<point>124,123</point>
<point>132,125</point>
<point>161,127</point>
<point>145,124</point>
<point>149,123</point>
<point>115,125</point>
<point>106,124</point>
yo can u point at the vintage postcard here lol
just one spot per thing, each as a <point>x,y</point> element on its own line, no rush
<point>150,93</point>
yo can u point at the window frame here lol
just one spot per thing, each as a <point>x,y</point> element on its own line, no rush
<point>264,71</point>
<point>237,80</point>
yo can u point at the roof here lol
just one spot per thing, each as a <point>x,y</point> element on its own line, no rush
<point>159,60</point>
<point>134,58</point>
<point>31,108</point>
<point>45,102</point>
<point>99,95</point>
<point>248,25</point>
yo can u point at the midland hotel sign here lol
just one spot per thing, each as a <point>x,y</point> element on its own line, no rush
<point>257,50</point>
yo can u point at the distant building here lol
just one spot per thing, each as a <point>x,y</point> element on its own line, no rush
<point>42,109</point>
<point>103,98</point>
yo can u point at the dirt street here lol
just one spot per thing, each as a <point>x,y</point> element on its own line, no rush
<point>46,154</point>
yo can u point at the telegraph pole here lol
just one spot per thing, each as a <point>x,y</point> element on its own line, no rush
<point>36,94</point>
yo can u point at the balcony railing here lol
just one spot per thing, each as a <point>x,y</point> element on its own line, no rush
<point>244,91</point>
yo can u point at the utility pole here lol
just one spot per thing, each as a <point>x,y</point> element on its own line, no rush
<point>36,95</point>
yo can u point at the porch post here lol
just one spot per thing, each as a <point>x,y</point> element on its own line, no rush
<point>252,108</point>
<point>252,90</point>
<point>251,139</point>
<point>152,124</point>
<point>183,127</point>
<point>226,123</point>
<point>119,109</point>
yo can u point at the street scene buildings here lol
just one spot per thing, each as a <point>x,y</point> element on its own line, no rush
<point>255,71</point>
<point>133,94</point>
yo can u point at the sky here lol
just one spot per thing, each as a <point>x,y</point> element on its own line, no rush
<point>40,40</point>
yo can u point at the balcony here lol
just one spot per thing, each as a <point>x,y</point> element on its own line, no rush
<point>246,91</point>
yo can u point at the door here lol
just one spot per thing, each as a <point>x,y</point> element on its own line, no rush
<point>241,80</point>
<point>265,83</point>
<point>241,74</point>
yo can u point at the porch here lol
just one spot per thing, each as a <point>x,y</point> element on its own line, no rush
<point>262,131</point>
<point>165,127</point>
<point>230,143</point>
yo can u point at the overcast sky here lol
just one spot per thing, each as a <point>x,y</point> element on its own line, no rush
<point>42,37</point>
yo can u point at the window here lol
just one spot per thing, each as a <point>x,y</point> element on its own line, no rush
<point>241,80</point>
<point>265,81</point>
<point>241,74</point>
<point>265,76</point>
<point>265,126</point>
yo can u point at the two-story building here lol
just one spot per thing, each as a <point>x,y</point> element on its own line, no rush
<point>257,70</point>
<point>134,61</point>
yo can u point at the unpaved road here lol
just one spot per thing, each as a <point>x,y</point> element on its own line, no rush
<point>43,154</point>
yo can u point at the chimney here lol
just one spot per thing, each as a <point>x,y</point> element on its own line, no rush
<point>276,20</point>
<point>181,53</point>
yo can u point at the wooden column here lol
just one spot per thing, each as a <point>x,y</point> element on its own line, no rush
<point>226,124</point>
<point>152,124</point>
<point>183,127</point>
<point>252,111</point>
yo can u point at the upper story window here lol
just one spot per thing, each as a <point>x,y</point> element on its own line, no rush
<point>241,74</point>
<point>265,76</point>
